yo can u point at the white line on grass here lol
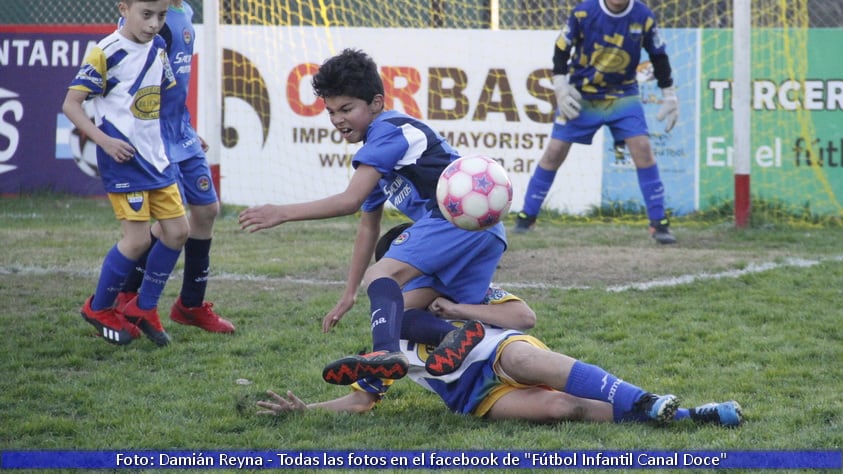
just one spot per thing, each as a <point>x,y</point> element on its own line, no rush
<point>751,268</point>
<point>640,286</point>
<point>686,279</point>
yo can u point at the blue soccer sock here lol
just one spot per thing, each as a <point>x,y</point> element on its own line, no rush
<point>387,312</point>
<point>115,267</point>
<point>135,277</point>
<point>652,190</point>
<point>159,266</point>
<point>537,190</point>
<point>590,381</point>
<point>423,327</point>
<point>197,262</point>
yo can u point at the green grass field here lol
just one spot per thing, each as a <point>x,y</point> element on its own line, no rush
<point>751,315</point>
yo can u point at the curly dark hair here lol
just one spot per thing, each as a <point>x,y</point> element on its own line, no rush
<point>351,73</point>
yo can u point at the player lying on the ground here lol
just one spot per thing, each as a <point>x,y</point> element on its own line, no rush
<point>511,375</point>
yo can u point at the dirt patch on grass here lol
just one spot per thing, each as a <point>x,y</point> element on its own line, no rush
<point>627,258</point>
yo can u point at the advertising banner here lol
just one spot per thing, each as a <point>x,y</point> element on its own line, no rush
<point>487,92</point>
<point>39,150</point>
<point>797,135</point>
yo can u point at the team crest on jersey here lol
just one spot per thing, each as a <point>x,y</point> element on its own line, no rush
<point>135,200</point>
<point>203,183</point>
<point>147,103</point>
<point>403,237</point>
<point>636,29</point>
<point>186,36</point>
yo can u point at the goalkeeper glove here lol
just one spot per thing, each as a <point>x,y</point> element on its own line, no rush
<point>669,112</point>
<point>567,97</point>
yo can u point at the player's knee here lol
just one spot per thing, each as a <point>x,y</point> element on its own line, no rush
<point>134,245</point>
<point>174,232</point>
<point>205,214</point>
<point>520,358</point>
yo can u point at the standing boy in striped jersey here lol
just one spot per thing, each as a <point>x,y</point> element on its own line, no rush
<point>123,76</point>
<point>186,149</point>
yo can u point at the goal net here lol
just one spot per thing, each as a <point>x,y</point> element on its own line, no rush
<point>478,71</point>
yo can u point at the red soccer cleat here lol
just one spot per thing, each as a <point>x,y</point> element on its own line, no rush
<point>148,322</point>
<point>201,316</point>
<point>110,324</point>
<point>123,299</point>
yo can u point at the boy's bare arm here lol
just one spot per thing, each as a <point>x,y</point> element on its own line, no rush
<point>513,314</point>
<point>113,147</point>
<point>347,202</point>
<point>361,255</point>
<point>354,402</point>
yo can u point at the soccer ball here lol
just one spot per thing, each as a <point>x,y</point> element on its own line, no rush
<point>474,192</point>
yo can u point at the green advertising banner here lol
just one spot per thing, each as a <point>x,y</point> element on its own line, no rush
<point>796,124</point>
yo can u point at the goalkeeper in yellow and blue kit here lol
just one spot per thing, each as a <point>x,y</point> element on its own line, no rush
<point>594,79</point>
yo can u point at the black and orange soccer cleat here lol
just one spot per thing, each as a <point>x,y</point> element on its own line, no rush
<point>382,364</point>
<point>454,348</point>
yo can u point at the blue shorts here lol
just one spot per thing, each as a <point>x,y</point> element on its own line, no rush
<point>457,263</point>
<point>624,117</point>
<point>195,181</point>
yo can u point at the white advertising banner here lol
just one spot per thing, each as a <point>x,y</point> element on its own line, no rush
<point>488,92</point>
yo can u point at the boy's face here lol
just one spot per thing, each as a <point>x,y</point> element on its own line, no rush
<point>143,19</point>
<point>352,116</point>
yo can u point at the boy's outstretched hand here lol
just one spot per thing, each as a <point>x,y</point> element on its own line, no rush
<point>280,404</point>
<point>257,218</point>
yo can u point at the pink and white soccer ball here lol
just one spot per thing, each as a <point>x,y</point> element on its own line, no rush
<point>474,192</point>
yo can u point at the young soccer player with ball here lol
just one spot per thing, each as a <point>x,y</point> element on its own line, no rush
<point>401,160</point>
<point>598,87</point>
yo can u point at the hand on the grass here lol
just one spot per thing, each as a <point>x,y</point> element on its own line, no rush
<point>279,404</point>
<point>256,218</point>
<point>333,317</point>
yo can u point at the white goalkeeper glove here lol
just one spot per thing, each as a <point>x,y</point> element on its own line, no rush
<point>567,98</point>
<point>669,112</point>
